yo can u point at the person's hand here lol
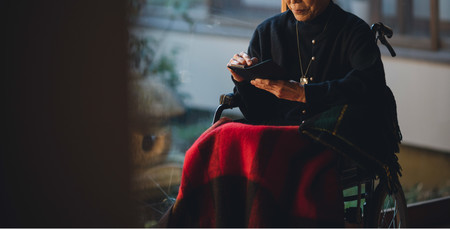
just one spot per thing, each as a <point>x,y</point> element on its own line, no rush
<point>289,90</point>
<point>241,59</point>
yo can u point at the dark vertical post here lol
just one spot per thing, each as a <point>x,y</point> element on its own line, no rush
<point>64,158</point>
<point>376,6</point>
<point>434,25</point>
<point>405,15</point>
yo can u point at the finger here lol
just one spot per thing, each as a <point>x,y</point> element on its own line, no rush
<point>272,86</point>
<point>233,62</point>
<point>288,90</point>
<point>247,58</point>
<point>235,76</point>
<point>264,84</point>
<point>267,82</point>
<point>239,59</point>
<point>258,85</point>
<point>254,60</point>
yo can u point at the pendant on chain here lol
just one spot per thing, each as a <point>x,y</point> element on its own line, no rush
<point>303,80</point>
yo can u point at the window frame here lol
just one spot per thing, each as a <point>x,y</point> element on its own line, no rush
<point>431,42</point>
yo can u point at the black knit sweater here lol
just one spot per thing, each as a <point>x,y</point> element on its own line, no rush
<point>348,104</point>
<point>347,66</point>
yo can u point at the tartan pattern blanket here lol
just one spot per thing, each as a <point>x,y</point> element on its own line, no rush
<point>238,175</point>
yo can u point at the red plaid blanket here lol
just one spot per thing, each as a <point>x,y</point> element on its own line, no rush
<point>238,175</point>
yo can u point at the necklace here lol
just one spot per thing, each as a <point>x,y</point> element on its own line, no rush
<point>304,77</point>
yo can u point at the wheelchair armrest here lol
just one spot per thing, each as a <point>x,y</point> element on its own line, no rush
<point>229,99</point>
<point>226,101</point>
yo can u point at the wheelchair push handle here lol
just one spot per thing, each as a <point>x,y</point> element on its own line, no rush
<point>382,31</point>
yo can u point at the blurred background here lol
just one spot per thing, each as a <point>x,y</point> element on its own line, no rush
<point>104,98</point>
<point>198,37</point>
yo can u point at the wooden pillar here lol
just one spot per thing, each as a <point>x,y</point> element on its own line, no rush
<point>376,11</point>
<point>434,24</point>
<point>404,15</point>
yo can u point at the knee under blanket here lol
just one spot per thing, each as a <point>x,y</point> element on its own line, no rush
<point>238,175</point>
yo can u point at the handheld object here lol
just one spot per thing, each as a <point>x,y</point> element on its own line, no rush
<point>265,70</point>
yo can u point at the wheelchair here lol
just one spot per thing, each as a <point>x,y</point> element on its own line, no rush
<point>367,200</point>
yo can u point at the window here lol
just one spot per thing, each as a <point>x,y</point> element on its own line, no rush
<point>417,24</point>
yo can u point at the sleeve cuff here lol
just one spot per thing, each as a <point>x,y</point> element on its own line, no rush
<point>242,84</point>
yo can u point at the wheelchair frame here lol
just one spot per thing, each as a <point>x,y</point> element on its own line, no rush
<point>375,206</point>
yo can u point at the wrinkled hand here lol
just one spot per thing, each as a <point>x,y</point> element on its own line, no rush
<point>241,59</point>
<point>289,90</point>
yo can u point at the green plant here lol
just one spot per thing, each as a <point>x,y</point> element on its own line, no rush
<point>418,193</point>
<point>143,50</point>
<point>143,60</point>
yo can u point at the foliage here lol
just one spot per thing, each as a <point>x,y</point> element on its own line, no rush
<point>143,51</point>
<point>143,58</point>
<point>417,193</point>
<point>188,127</point>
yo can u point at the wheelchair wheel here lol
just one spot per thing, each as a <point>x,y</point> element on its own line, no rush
<point>388,211</point>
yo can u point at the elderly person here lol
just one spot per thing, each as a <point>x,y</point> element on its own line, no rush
<point>330,55</point>
<point>335,89</point>
<point>270,175</point>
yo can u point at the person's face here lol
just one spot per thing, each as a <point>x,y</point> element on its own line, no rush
<point>305,10</point>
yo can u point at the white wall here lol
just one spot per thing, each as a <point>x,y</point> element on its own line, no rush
<point>423,101</point>
<point>202,61</point>
<point>422,89</point>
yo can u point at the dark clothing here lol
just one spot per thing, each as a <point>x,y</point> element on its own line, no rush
<point>347,66</point>
<point>348,105</point>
